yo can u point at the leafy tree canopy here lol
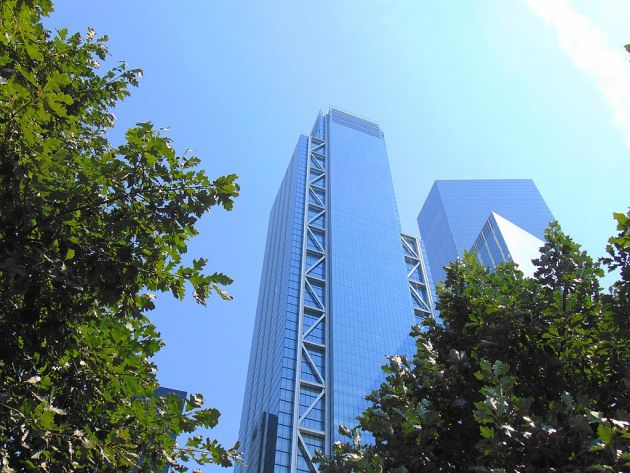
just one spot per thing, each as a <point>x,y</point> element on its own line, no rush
<point>89,231</point>
<point>522,374</point>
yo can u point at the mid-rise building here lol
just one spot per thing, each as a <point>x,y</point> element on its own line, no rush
<point>340,289</point>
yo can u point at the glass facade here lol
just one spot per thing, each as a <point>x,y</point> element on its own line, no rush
<point>490,247</point>
<point>371,311</point>
<point>454,213</point>
<point>502,241</point>
<point>267,416</point>
<point>340,289</point>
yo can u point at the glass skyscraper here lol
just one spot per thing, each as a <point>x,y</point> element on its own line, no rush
<point>340,289</point>
<point>455,211</point>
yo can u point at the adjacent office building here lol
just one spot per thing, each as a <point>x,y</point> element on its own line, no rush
<point>340,289</point>
<point>501,219</point>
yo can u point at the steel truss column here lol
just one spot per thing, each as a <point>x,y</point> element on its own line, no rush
<point>311,403</point>
<point>417,276</point>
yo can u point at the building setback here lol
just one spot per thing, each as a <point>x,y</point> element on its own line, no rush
<point>340,289</point>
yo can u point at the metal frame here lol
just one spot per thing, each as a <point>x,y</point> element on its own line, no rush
<point>422,306</point>
<point>316,172</point>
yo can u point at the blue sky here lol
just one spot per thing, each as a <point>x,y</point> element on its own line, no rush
<point>469,89</point>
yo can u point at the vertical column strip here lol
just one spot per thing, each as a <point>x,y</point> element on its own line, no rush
<point>311,434</point>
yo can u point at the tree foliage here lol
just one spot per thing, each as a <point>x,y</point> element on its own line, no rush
<point>89,232</point>
<point>521,375</point>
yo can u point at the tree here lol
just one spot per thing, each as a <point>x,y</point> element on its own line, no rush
<point>522,374</point>
<point>89,231</point>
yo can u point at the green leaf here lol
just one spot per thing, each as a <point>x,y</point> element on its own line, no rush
<point>69,254</point>
<point>486,432</point>
<point>207,417</point>
<point>499,368</point>
<point>56,81</point>
<point>27,74</point>
<point>605,433</point>
<point>46,419</point>
<point>34,52</point>
<point>57,107</point>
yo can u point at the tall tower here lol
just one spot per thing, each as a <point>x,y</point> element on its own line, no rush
<point>504,219</point>
<point>340,289</point>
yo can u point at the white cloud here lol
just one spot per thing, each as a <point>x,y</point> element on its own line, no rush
<point>589,50</point>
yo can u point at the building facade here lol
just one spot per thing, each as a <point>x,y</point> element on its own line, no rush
<point>503,241</point>
<point>340,289</point>
<point>455,211</point>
